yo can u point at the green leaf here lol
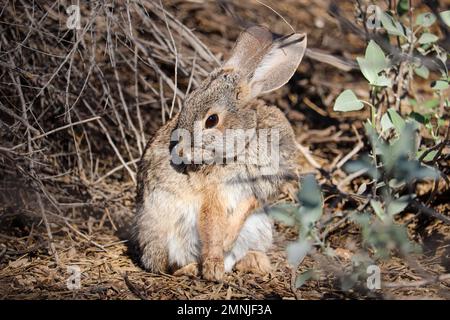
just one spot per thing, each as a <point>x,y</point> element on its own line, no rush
<point>432,103</point>
<point>374,138</point>
<point>430,155</point>
<point>445,15</point>
<point>425,19</point>
<point>375,54</point>
<point>422,172</point>
<point>377,208</point>
<point>427,38</point>
<point>310,195</point>
<point>282,216</point>
<point>398,205</point>
<point>439,85</point>
<point>362,188</point>
<point>311,202</point>
<point>373,63</point>
<point>297,251</point>
<point>394,28</point>
<point>367,70</point>
<point>382,81</point>
<point>302,278</point>
<point>396,120</point>
<point>386,123</point>
<point>413,123</point>
<point>402,7</point>
<point>347,101</point>
<point>365,163</point>
<point>362,219</point>
<point>419,117</point>
<point>396,154</point>
<point>422,72</point>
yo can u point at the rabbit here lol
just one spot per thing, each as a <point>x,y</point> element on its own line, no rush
<point>209,215</point>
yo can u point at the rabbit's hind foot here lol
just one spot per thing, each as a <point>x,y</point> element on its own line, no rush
<point>189,270</point>
<point>255,262</point>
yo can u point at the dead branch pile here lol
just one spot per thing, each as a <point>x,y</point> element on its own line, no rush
<point>78,101</point>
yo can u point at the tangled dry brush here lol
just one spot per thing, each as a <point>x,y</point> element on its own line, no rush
<point>77,104</point>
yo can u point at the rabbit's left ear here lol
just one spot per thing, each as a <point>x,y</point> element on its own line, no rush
<point>278,65</point>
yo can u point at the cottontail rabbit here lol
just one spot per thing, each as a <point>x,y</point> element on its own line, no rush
<point>209,213</point>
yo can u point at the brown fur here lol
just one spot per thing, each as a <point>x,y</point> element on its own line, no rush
<point>212,222</point>
<point>186,217</point>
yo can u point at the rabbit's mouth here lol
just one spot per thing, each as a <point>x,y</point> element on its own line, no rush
<point>184,168</point>
<point>191,158</point>
<point>200,156</point>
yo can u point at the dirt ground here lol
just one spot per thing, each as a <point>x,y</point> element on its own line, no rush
<point>29,272</point>
<point>93,234</point>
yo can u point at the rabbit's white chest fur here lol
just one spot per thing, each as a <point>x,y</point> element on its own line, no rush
<point>183,242</point>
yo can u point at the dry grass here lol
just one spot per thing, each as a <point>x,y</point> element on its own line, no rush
<point>30,272</point>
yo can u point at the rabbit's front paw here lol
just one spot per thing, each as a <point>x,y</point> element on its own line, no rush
<point>255,262</point>
<point>190,270</point>
<point>213,269</point>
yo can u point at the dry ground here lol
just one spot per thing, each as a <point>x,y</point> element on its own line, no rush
<point>29,272</point>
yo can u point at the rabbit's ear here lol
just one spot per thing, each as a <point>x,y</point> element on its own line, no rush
<point>250,48</point>
<point>278,65</point>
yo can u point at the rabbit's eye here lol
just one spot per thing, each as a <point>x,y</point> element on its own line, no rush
<point>211,121</point>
